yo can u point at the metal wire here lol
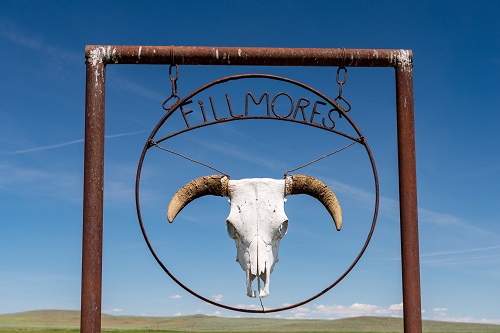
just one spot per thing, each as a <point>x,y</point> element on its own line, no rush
<point>320,158</point>
<point>262,305</point>
<point>153,143</point>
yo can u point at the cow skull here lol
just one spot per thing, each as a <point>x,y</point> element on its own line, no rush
<point>257,220</point>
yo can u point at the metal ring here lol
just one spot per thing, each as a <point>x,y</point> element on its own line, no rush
<point>344,78</point>
<point>167,100</point>
<point>340,98</point>
<point>173,79</point>
<point>361,140</point>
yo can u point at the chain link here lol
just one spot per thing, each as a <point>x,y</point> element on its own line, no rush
<point>173,80</point>
<point>341,79</point>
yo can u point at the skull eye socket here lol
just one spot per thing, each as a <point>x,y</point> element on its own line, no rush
<point>231,230</point>
<point>283,229</point>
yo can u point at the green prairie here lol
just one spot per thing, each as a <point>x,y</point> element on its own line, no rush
<point>62,321</point>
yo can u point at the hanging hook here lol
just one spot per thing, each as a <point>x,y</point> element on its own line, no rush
<point>173,80</point>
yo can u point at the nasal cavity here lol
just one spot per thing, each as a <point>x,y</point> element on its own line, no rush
<point>283,228</point>
<point>231,230</point>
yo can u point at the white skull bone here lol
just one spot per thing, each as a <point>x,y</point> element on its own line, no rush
<point>257,220</point>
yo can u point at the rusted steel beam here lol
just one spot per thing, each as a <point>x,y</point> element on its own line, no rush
<point>249,56</point>
<point>408,197</point>
<point>93,200</point>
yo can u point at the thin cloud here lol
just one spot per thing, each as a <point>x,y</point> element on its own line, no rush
<point>215,314</point>
<point>462,261</point>
<point>485,255</point>
<point>335,311</point>
<point>245,156</point>
<point>63,144</point>
<point>479,249</point>
<point>251,306</point>
<point>59,55</point>
<point>51,183</point>
<point>442,317</point>
<point>448,220</point>
<point>390,208</point>
<point>48,147</point>
<point>217,298</point>
<point>175,297</point>
<point>358,309</point>
<point>16,35</point>
<point>440,311</point>
<point>123,84</point>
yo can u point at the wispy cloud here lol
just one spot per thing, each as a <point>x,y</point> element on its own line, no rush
<point>18,36</point>
<point>238,153</point>
<point>58,56</point>
<point>215,313</point>
<point>54,180</point>
<point>359,309</point>
<point>175,297</point>
<point>460,261</point>
<point>37,181</point>
<point>449,220</point>
<point>389,208</point>
<point>40,148</point>
<point>334,311</point>
<point>63,144</point>
<point>442,315</point>
<point>126,85</point>
<point>479,249</point>
<point>217,298</point>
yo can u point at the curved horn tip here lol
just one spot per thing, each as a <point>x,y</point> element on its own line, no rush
<point>304,184</point>
<point>170,218</point>
<point>338,224</point>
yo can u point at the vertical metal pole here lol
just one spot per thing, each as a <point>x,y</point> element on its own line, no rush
<point>90,320</point>
<point>408,196</point>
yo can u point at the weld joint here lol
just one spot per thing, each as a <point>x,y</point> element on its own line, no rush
<point>102,55</point>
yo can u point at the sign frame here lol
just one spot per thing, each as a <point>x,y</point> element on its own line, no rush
<point>99,56</point>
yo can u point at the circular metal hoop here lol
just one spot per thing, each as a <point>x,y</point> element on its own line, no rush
<point>184,101</point>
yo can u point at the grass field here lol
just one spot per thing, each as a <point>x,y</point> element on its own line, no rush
<point>58,321</point>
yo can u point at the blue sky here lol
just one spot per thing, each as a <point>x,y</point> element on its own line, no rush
<point>456,57</point>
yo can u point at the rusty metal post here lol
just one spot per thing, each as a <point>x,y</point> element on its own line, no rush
<point>90,321</point>
<point>408,195</point>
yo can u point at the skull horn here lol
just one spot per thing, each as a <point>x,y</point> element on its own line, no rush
<point>207,185</point>
<point>302,184</point>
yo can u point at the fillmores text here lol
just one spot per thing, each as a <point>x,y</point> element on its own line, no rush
<point>282,106</point>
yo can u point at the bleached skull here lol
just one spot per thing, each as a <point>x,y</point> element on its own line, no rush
<point>257,221</point>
